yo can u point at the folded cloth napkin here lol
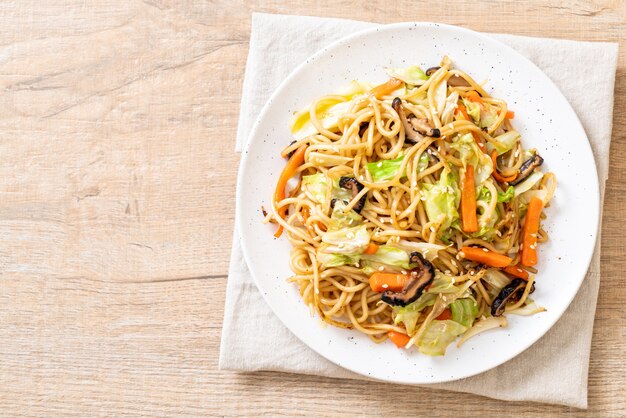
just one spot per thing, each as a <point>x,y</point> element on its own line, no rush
<point>554,370</point>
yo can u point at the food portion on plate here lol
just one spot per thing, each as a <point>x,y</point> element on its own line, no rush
<point>413,210</point>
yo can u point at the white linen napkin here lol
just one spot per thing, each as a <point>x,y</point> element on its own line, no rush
<point>554,370</point>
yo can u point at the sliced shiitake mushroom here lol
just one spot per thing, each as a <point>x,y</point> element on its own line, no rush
<point>527,168</point>
<point>350,183</point>
<point>414,128</point>
<point>420,278</point>
<point>506,295</point>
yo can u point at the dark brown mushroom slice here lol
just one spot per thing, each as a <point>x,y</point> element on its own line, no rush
<point>420,278</point>
<point>414,128</point>
<point>527,168</point>
<point>458,81</point>
<point>350,183</point>
<point>411,135</point>
<point>422,126</point>
<point>290,153</point>
<point>431,71</point>
<point>507,294</point>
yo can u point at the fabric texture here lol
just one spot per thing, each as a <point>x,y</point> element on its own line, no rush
<point>553,370</point>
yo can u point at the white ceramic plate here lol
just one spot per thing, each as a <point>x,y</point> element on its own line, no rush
<point>543,117</point>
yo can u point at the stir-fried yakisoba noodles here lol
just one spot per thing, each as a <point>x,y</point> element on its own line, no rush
<point>416,214</point>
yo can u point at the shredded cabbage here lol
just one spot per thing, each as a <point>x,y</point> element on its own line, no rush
<point>334,260</point>
<point>488,116</point>
<point>483,325</point>
<point>464,311</point>
<point>329,112</point>
<point>347,240</point>
<point>471,154</point>
<point>390,256</point>
<point>438,336</point>
<point>384,170</point>
<point>507,196</point>
<point>527,184</point>
<point>408,315</point>
<point>427,250</point>
<point>473,110</point>
<point>440,94</point>
<point>442,198</point>
<point>410,75</point>
<point>316,184</point>
<point>496,281</point>
<point>450,107</point>
<point>506,141</point>
<point>442,283</point>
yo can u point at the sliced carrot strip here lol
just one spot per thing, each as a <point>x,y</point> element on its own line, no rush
<point>499,177</point>
<point>296,160</point>
<point>484,256</point>
<point>516,272</point>
<point>468,201</point>
<point>380,282</point>
<point>371,249</point>
<point>529,234</point>
<point>399,339</point>
<point>386,88</point>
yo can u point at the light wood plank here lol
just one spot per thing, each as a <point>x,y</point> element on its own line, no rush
<point>117,207</point>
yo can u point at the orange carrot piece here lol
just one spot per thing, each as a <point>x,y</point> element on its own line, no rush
<point>371,249</point>
<point>398,338</point>
<point>474,97</point>
<point>445,315</point>
<point>499,177</point>
<point>296,160</point>
<point>479,142</point>
<point>529,234</point>
<point>463,111</point>
<point>484,256</point>
<point>380,282</point>
<point>468,201</point>
<point>516,272</point>
<point>386,88</point>
<point>509,114</point>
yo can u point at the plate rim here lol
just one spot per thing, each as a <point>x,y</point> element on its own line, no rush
<point>244,162</point>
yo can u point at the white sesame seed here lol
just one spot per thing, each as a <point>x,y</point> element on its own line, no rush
<point>461,254</point>
<point>385,285</point>
<point>403,271</point>
<point>485,250</point>
<point>357,265</point>
<point>533,235</point>
<point>432,229</point>
<point>533,246</point>
<point>381,268</point>
<point>360,177</point>
<point>516,154</point>
<point>472,273</point>
<point>453,281</point>
<point>521,247</point>
<point>447,272</point>
<point>379,164</point>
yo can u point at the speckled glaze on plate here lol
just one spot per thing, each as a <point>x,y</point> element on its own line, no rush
<point>543,117</point>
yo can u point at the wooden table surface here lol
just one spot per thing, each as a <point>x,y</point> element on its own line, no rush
<point>117,199</point>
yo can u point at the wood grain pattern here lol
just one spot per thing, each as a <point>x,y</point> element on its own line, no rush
<point>116,209</point>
